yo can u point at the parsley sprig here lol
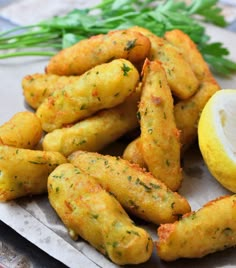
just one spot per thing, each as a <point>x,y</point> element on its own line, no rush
<point>49,36</point>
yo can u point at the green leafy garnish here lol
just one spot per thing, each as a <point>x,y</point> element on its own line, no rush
<point>215,54</point>
<point>49,36</point>
<point>125,69</point>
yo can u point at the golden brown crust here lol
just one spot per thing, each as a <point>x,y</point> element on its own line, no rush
<point>160,144</point>
<point>189,51</point>
<point>133,153</point>
<point>25,172</point>
<point>95,132</point>
<point>187,112</point>
<point>104,86</point>
<point>37,87</point>
<point>138,191</point>
<point>212,228</point>
<point>89,211</point>
<point>99,49</point>
<point>23,130</point>
<point>181,78</point>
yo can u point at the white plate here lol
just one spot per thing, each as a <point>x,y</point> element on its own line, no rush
<point>35,220</point>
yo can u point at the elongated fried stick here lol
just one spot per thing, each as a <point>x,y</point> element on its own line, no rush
<point>99,49</point>
<point>104,86</point>
<point>187,112</point>
<point>23,130</point>
<point>139,192</point>
<point>160,144</point>
<point>89,211</point>
<point>25,172</point>
<point>210,229</point>
<point>37,87</point>
<point>189,51</point>
<point>95,132</point>
<point>133,153</point>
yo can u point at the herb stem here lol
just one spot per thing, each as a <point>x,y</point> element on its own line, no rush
<point>17,28</point>
<point>26,53</point>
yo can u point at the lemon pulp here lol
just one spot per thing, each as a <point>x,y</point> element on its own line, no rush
<point>226,113</point>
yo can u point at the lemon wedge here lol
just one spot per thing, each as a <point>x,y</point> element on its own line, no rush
<point>217,137</point>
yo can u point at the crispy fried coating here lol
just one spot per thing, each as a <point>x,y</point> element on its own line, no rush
<point>181,78</point>
<point>189,51</point>
<point>95,132</point>
<point>25,172</point>
<point>104,86</point>
<point>160,142</point>
<point>37,87</point>
<point>23,130</point>
<point>138,191</point>
<point>89,211</point>
<point>187,112</point>
<point>99,49</point>
<point>133,153</point>
<point>212,228</point>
